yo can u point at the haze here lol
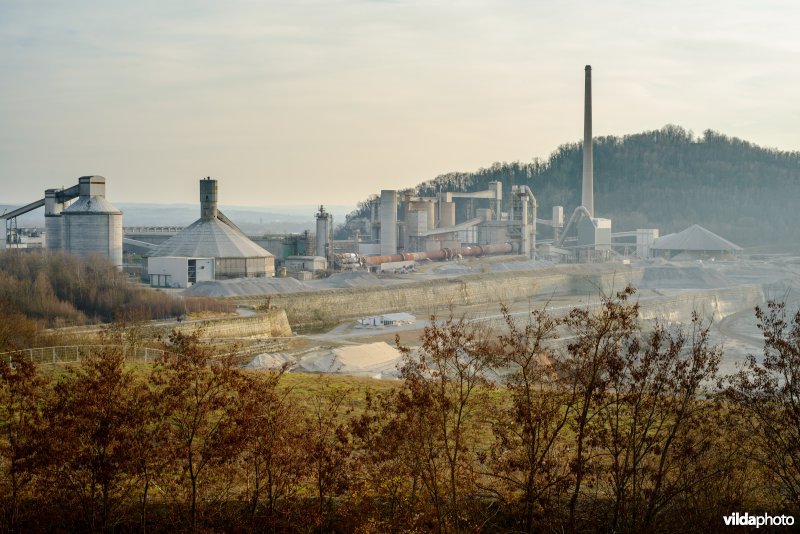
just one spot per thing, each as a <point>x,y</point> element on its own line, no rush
<point>304,102</point>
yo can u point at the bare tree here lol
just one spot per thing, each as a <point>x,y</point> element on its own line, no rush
<point>598,337</point>
<point>658,425</point>
<point>444,387</point>
<point>767,393</point>
<point>199,392</point>
<point>527,456</point>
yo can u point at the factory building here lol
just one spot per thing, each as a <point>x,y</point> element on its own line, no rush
<point>215,236</point>
<point>305,263</point>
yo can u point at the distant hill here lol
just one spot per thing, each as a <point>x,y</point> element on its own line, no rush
<point>666,179</point>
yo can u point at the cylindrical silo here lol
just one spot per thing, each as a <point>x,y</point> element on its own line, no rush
<point>323,232</point>
<point>447,214</point>
<point>92,225</point>
<point>388,217</point>
<point>52,220</point>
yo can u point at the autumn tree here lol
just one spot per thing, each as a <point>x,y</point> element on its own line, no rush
<point>23,430</point>
<point>199,391</point>
<point>273,456</point>
<point>445,386</point>
<point>327,447</point>
<point>94,417</point>
<point>526,460</point>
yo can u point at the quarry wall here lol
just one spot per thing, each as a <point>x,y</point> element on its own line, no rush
<point>308,309</point>
<point>272,323</point>
<point>268,324</point>
<point>710,304</point>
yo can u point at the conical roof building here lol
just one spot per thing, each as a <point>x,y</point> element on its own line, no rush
<point>213,235</point>
<point>694,242</point>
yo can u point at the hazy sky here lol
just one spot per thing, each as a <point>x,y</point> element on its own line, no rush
<point>303,102</point>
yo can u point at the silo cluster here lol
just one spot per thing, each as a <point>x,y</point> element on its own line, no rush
<point>90,225</point>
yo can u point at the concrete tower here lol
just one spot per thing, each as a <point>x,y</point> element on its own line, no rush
<point>388,217</point>
<point>208,199</point>
<point>587,197</point>
<point>324,227</point>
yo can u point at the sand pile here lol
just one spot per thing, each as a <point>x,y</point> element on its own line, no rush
<point>270,361</point>
<point>377,360</point>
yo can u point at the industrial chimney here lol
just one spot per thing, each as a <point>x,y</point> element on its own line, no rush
<point>587,197</point>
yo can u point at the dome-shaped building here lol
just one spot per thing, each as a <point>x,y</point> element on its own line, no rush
<point>215,236</point>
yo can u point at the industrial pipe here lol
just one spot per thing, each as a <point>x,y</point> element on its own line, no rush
<point>443,254</point>
<point>579,212</point>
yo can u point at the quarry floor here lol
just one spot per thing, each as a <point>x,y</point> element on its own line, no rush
<point>723,292</point>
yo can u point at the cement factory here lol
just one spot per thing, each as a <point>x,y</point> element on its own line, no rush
<point>400,231</point>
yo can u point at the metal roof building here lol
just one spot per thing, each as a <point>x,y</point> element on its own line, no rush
<point>693,242</point>
<point>215,236</point>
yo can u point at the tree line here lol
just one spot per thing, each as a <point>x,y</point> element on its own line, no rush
<point>667,179</point>
<point>591,421</point>
<point>61,289</point>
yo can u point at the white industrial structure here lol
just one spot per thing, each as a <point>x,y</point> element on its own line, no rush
<point>215,236</point>
<point>179,272</point>
<point>324,232</point>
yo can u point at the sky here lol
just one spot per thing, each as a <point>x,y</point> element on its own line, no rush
<point>305,102</point>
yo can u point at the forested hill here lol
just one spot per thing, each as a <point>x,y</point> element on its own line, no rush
<point>666,179</point>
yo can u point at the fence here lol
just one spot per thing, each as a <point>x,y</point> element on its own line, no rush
<point>73,353</point>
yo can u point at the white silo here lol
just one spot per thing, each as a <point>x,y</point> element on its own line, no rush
<point>324,229</point>
<point>92,225</point>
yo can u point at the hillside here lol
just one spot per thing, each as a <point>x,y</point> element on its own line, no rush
<point>666,179</point>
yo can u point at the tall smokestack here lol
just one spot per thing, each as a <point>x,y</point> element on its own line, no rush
<point>587,198</point>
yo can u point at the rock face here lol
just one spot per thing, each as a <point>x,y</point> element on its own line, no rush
<point>434,296</point>
<point>272,323</point>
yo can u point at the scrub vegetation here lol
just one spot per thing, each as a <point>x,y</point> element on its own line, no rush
<point>601,423</point>
<point>60,289</point>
